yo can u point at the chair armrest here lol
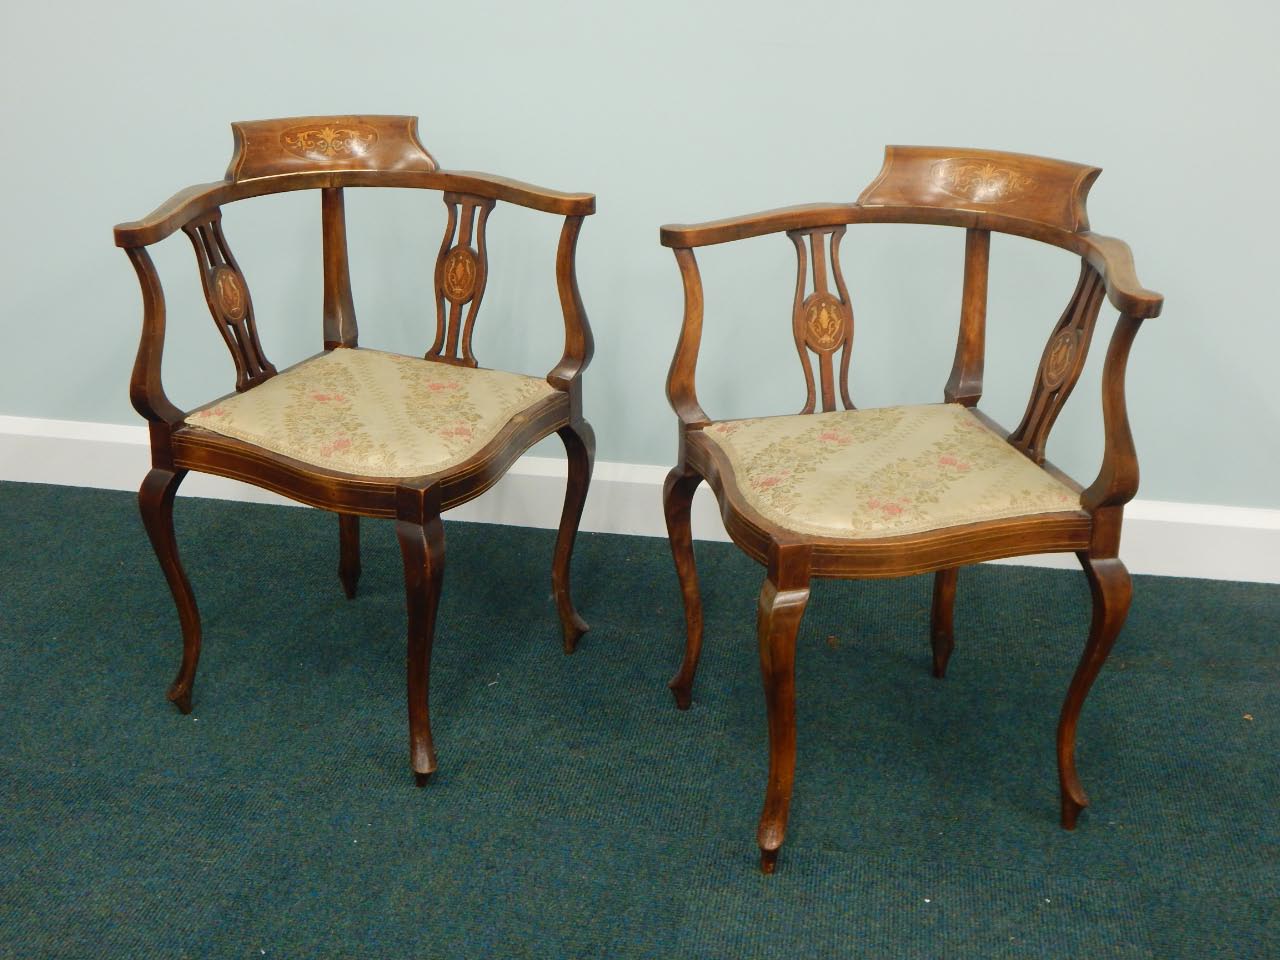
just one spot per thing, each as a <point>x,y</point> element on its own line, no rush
<point>685,235</point>
<point>1114,260</point>
<point>194,200</point>
<point>1117,480</point>
<point>680,378</point>
<point>514,191</point>
<point>173,213</point>
<point>579,345</point>
<point>146,392</point>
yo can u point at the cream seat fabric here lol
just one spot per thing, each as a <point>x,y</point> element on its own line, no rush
<point>379,414</point>
<point>884,472</point>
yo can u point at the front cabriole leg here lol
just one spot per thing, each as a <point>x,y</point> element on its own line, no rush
<point>1112,591</point>
<point>155,502</point>
<point>421,537</point>
<point>580,448</point>
<point>782,601</point>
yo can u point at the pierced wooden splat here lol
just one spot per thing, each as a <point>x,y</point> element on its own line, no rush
<point>822,322</point>
<point>462,268</point>
<point>229,302</point>
<point>1060,366</point>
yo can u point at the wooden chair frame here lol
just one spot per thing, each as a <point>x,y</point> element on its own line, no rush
<point>981,192</point>
<point>330,154</point>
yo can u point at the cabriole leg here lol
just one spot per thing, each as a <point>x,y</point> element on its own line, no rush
<point>677,501</point>
<point>942,623</point>
<point>580,449</point>
<point>1112,591</point>
<point>782,602</point>
<point>422,548</point>
<point>349,553</point>
<point>155,501</point>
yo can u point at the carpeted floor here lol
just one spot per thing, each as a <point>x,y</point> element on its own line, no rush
<point>576,813</point>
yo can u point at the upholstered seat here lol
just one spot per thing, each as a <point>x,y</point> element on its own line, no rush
<point>373,413</point>
<point>882,472</point>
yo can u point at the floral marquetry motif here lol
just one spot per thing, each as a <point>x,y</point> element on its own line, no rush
<point>980,182</point>
<point>1058,358</point>
<point>824,321</point>
<point>458,274</point>
<point>328,143</point>
<point>229,289</point>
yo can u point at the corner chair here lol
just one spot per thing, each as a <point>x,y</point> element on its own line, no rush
<point>896,491</point>
<point>359,432</point>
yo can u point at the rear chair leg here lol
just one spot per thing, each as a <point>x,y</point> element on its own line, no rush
<point>580,448</point>
<point>155,501</point>
<point>942,629</point>
<point>422,548</point>
<point>1112,591</point>
<point>349,553</point>
<point>677,501</point>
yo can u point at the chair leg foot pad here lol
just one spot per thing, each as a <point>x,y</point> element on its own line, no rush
<point>181,700</point>
<point>683,695</point>
<point>1071,812</point>
<point>421,779</point>
<point>768,861</point>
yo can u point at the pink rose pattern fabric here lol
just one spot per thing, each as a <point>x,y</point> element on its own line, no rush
<point>884,472</point>
<point>374,413</point>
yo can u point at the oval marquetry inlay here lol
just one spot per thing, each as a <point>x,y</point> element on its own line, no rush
<point>1058,358</point>
<point>823,321</point>
<point>229,290</point>
<point>980,181</point>
<point>330,142</point>
<point>458,274</point>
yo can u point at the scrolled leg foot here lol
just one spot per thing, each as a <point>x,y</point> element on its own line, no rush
<point>155,503</point>
<point>677,502</point>
<point>580,449</point>
<point>768,861</point>
<point>1112,590</point>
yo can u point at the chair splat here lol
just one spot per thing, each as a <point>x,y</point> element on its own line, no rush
<point>821,322</point>
<point>462,269</point>
<point>229,302</point>
<point>1061,364</point>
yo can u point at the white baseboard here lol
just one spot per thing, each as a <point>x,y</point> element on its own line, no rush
<point>1164,538</point>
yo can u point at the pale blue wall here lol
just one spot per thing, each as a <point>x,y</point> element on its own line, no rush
<point>668,111</point>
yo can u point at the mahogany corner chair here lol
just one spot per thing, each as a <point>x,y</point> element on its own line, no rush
<point>360,432</point>
<point>911,489</point>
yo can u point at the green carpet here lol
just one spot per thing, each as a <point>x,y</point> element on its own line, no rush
<point>576,813</point>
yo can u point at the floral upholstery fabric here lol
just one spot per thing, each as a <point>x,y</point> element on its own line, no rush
<point>374,413</point>
<point>883,472</point>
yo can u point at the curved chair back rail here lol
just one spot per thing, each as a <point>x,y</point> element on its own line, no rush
<point>329,154</point>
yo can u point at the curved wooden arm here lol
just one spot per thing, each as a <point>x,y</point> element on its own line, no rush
<point>1117,480</point>
<point>187,204</point>
<point>579,345</point>
<point>680,378</point>
<point>146,392</point>
<point>514,191</point>
<point>686,235</point>
<point>1114,260</point>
